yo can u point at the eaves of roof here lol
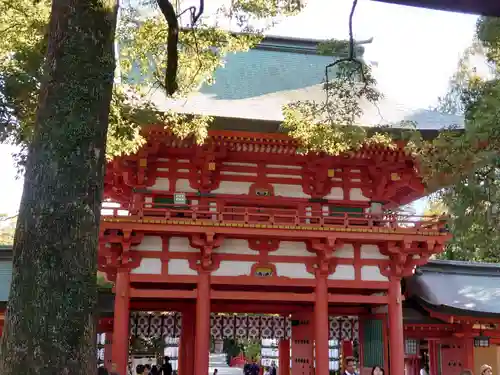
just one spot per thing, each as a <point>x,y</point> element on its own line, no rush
<point>481,7</point>
<point>457,288</point>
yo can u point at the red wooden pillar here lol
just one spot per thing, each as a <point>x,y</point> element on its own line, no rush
<point>321,325</point>
<point>108,350</point>
<point>202,340</point>
<point>190,351</point>
<point>186,350</point>
<point>433,357</point>
<point>284,356</point>
<point>302,344</point>
<point>181,354</point>
<point>119,351</point>
<point>396,340</point>
<point>468,351</point>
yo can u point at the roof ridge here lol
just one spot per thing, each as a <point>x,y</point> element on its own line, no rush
<point>462,263</point>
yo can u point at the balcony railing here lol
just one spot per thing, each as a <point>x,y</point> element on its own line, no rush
<point>275,217</point>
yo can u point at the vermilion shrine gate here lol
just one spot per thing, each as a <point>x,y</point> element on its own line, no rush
<point>272,244</point>
<point>247,224</point>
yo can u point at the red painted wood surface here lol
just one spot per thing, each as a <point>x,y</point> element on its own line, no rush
<point>302,344</point>
<point>452,360</point>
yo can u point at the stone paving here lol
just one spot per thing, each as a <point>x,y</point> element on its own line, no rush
<point>218,361</point>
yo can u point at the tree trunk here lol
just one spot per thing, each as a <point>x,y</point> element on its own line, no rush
<point>51,313</point>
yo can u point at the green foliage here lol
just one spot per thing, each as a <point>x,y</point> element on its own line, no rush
<point>150,345</point>
<point>142,39</point>
<point>340,49</point>
<point>464,160</point>
<point>7,229</point>
<point>103,282</point>
<point>473,206</point>
<point>265,8</point>
<point>333,125</point>
<point>252,349</point>
<point>143,50</point>
<point>232,349</point>
<point>472,202</point>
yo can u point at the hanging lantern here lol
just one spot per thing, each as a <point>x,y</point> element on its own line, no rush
<point>482,341</point>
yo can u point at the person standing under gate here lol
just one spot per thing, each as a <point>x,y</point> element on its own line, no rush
<point>486,370</point>
<point>349,366</point>
<point>377,370</point>
<point>424,370</point>
<point>166,368</point>
<point>272,370</point>
<point>254,368</point>
<point>247,367</point>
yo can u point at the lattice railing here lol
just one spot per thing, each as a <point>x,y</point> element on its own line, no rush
<point>279,218</point>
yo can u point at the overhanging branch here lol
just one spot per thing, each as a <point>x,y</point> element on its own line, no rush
<point>171,17</point>
<point>168,12</point>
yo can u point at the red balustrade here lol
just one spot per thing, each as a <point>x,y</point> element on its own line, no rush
<point>283,217</point>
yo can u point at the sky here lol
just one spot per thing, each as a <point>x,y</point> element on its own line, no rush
<point>417,51</point>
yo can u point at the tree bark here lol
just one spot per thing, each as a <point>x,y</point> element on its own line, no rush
<point>50,323</point>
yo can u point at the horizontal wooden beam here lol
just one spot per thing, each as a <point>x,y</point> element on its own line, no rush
<point>297,297</point>
<point>261,296</point>
<point>356,299</point>
<point>260,281</point>
<point>257,296</point>
<point>224,306</point>
<point>171,279</point>
<point>162,293</point>
<point>427,334</point>
<point>352,234</point>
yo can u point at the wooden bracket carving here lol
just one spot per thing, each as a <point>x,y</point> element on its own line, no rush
<point>263,245</point>
<point>206,175</point>
<point>385,183</point>
<point>324,249</point>
<point>206,243</point>
<point>325,245</point>
<point>128,172</point>
<point>114,253</point>
<point>315,180</point>
<point>115,187</point>
<point>404,256</point>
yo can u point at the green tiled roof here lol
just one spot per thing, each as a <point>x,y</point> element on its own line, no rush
<point>255,85</point>
<point>261,72</point>
<point>5,279</point>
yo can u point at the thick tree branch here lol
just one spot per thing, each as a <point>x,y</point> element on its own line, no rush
<point>8,218</point>
<point>197,16</point>
<point>168,12</point>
